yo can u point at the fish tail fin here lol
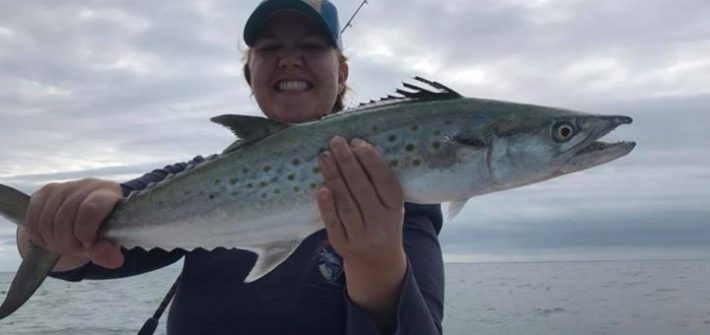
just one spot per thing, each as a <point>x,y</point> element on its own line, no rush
<point>36,263</point>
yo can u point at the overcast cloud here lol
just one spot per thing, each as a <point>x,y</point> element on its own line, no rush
<point>114,89</point>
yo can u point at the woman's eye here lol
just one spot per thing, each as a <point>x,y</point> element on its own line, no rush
<point>267,47</point>
<point>563,131</point>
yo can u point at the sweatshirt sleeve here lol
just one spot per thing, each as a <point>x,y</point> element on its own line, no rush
<point>136,261</point>
<point>421,302</point>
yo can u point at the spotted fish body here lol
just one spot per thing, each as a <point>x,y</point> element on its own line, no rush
<point>270,184</point>
<point>258,194</point>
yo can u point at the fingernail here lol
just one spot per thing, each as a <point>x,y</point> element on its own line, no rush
<point>322,194</point>
<point>357,141</point>
<point>326,162</point>
<point>338,140</point>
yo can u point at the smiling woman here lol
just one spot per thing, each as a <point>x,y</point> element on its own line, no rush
<point>308,65</point>
<point>376,269</point>
<point>293,71</point>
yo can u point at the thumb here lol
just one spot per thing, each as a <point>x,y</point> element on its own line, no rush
<point>106,254</point>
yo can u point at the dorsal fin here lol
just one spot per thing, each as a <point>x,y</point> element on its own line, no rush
<point>248,128</point>
<point>418,93</point>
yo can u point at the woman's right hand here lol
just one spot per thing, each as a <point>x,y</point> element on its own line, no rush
<point>66,217</point>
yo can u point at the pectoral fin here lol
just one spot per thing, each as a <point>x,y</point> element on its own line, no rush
<point>270,255</point>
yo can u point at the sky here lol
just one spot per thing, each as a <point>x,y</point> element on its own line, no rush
<point>113,89</point>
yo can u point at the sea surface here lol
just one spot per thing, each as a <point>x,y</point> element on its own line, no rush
<point>567,297</point>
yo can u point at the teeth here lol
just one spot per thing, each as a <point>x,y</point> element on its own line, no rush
<point>293,85</point>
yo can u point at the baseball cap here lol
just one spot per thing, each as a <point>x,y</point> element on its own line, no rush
<point>323,12</point>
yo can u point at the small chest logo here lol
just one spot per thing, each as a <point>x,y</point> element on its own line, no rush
<point>330,264</point>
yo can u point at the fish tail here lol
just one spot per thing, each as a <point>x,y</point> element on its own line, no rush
<point>36,263</point>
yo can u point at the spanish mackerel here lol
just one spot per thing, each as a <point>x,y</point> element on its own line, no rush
<point>258,194</point>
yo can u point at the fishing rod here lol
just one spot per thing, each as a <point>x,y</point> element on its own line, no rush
<point>350,21</point>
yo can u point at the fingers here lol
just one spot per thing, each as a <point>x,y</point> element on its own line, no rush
<point>346,207</point>
<point>106,254</point>
<point>92,211</point>
<point>337,234</point>
<point>353,174</point>
<point>363,218</point>
<point>381,175</point>
<point>66,217</point>
<point>34,211</point>
<point>64,224</point>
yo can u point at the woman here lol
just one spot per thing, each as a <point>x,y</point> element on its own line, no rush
<point>376,269</point>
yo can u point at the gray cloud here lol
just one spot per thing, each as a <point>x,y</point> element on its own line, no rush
<point>544,51</point>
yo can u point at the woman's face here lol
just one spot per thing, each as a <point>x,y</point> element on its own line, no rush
<point>296,75</point>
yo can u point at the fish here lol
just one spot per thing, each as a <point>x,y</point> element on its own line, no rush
<point>258,194</point>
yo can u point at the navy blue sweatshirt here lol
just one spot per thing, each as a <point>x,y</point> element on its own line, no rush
<point>304,295</point>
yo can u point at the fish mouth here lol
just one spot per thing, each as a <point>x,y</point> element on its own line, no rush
<point>598,147</point>
<point>594,152</point>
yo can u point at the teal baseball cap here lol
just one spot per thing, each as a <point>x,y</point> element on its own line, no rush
<point>323,12</point>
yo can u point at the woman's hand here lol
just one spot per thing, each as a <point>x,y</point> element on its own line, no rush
<point>66,217</point>
<point>362,206</point>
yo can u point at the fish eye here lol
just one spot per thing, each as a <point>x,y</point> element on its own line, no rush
<point>563,131</point>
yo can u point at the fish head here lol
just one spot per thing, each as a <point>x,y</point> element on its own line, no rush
<point>544,143</point>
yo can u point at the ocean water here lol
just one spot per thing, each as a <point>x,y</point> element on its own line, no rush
<point>570,297</point>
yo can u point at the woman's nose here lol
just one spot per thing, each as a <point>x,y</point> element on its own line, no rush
<point>291,58</point>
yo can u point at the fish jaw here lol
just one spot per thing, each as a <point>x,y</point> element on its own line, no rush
<point>596,153</point>
<point>592,152</point>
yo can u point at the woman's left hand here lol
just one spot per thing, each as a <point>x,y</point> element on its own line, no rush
<point>362,206</point>
<point>361,203</point>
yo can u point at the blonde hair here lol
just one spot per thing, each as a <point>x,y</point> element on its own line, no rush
<point>339,104</point>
